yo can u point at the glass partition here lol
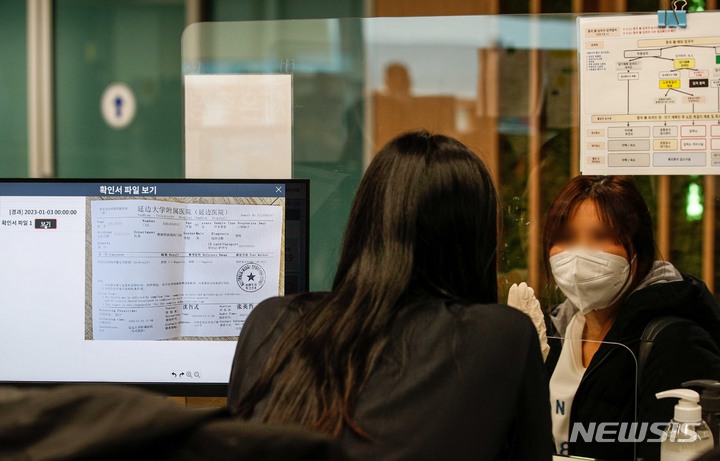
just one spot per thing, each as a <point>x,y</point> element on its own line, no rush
<point>326,60</point>
<point>576,401</point>
<point>505,85</point>
<point>359,82</point>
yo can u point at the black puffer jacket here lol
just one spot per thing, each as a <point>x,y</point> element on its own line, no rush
<point>681,352</point>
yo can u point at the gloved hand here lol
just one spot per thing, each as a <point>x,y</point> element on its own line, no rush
<point>522,298</point>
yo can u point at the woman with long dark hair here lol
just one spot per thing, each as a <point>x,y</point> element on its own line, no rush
<point>409,356</point>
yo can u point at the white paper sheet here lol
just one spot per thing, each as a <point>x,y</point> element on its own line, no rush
<point>649,96</point>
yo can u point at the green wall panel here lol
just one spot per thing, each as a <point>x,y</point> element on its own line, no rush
<point>13,89</point>
<point>136,43</point>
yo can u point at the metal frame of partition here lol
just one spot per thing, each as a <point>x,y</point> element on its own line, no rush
<point>41,145</point>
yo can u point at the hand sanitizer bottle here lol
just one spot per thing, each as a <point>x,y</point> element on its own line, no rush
<point>687,435</point>
<point>710,403</point>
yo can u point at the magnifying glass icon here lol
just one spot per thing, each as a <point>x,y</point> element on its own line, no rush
<point>197,374</point>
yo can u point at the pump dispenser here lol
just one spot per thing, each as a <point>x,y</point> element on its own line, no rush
<point>710,403</point>
<point>687,436</point>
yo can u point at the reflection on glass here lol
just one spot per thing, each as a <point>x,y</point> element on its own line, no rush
<point>359,82</point>
<point>507,87</point>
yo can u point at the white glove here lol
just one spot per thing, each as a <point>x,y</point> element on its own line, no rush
<point>522,298</point>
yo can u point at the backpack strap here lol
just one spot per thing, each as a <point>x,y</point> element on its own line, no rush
<point>651,331</point>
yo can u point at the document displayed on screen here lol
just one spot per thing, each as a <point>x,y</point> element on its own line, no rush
<point>160,269</point>
<point>141,282</point>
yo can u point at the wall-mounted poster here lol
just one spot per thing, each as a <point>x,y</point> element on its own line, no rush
<point>649,95</point>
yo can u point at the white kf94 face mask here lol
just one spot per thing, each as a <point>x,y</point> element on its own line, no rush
<point>590,279</point>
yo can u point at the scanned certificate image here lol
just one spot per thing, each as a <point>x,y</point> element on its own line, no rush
<point>165,269</point>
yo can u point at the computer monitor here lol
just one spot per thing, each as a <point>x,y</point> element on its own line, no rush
<point>144,282</point>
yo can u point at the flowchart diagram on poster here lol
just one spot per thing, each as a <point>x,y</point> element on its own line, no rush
<point>649,96</point>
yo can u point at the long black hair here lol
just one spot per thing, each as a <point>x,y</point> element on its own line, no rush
<point>424,217</point>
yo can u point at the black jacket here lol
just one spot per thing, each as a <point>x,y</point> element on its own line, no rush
<point>457,382</point>
<point>681,352</point>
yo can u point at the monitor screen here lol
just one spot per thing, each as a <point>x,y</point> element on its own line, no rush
<point>145,282</point>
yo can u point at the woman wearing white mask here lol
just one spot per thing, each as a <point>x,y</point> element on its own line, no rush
<point>599,246</point>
